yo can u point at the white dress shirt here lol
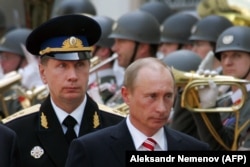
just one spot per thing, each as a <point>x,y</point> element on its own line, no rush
<point>77,114</point>
<point>138,137</point>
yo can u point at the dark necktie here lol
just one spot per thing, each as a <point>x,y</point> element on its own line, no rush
<point>70,122</point>
<point>149,144</point>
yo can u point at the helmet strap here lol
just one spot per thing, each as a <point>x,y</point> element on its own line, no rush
<point>134,52</point>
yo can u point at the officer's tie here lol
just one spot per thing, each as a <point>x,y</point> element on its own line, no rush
<point>149,144</point>
<point>70,122</point>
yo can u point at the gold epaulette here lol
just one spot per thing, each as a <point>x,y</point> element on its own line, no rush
<point>112,110</point>
<point>22,113</point>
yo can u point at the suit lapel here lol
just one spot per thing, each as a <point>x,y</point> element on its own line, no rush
<point>121,141</point>
<point>172,140</point>
<point>51,136</point>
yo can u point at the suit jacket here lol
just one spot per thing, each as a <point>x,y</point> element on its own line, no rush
<point>108,147</point>
<point>8,147</point>
<point>41,138</point>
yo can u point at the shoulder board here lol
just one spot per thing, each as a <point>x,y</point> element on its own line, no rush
<point>111,110</point>
<point>22,113</point>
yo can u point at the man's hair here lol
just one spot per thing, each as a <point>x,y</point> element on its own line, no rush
<point>133,69</point>
<point>44,59</point>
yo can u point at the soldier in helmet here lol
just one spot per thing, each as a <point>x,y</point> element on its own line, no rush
<point>45,131</point>
<point>204,37</point>
<point>102,80</point>
<point>14,57</point>
<point>134,42</point>
<point>137,41</point>
<point>233,51</point>
<point>175,32</point>
<point>181,118</point>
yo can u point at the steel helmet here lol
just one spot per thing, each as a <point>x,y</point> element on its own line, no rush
<point>159,10</point>
<point>184,60</point>
<point>12,40</point>
<point>177,28</point>
<point>106,24</point>
<point>209,28</point>
<point>137,26</point>
<point>75,6</point>
<point>235,38</point>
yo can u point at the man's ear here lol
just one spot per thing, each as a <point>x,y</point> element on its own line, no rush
<point>125,94</point>
<point>42,73</point>
<point>144,49</point>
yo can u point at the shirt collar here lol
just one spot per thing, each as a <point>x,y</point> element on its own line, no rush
<point>77,113</point>
<point>238,94</point>
<point>138,137</point>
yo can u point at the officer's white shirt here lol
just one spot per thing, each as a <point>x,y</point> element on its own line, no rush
<point>77,114</point>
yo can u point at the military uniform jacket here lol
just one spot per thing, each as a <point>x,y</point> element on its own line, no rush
<point>41,139</point>
<point>226,132</point>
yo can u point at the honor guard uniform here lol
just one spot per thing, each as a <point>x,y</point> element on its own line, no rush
<point>64,44</point>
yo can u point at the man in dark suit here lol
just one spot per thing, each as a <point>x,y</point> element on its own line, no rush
<point>149,91</point>
<point>45,131</point>
<point>8,144</point>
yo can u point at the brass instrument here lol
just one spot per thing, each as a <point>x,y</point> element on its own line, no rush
<point>96,63</point>
<point>37,94</point>
<point>191,81</point>
<point>238,12</point>
<point>32,96</point>
<point>7,82</point>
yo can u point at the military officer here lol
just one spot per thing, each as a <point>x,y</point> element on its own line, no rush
<point>45,131</point>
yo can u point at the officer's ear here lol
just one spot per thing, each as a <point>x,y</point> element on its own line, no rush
<point>42,73</point>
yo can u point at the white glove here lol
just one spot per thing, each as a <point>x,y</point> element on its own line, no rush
<point>208,95</point>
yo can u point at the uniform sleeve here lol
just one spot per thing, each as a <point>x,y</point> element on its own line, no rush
<point>225,133</point>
